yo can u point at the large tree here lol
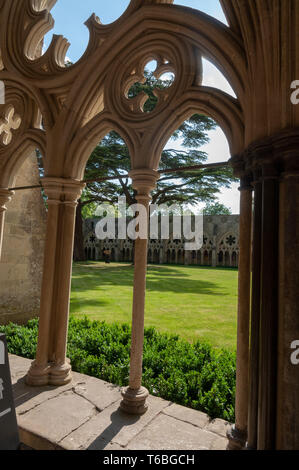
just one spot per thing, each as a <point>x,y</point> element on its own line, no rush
<point>216,208</point>
<point>111,159</point>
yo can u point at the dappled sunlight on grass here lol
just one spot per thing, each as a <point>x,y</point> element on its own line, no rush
<point>195,302</point>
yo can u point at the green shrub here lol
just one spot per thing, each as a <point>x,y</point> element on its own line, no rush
<point>193,375</point>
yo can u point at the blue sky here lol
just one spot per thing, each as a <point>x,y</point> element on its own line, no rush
<point>70,16</point>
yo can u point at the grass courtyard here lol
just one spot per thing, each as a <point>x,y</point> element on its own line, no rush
<point>194,302</point>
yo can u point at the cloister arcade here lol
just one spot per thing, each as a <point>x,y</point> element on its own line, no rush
<point>220,249</point>
<point>66,111</point>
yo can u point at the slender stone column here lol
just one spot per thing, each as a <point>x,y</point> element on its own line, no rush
<point>288,345</point>
<point>269,312</point>
<point>60,372</point>
<point>39,372</point>
<point>273,404</point>
<point>238,433</point>
<point>187,258</point>
<point>51,365</point>
<point>214,252</point>
<point>134,396</point>
<point>255,315</point>
<point>5,197</point>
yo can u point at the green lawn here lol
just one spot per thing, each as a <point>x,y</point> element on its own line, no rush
<point>195,302</point>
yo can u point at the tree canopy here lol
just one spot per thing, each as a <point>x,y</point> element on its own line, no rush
<point>216,208</point>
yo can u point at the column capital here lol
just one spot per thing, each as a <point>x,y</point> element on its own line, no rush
<point>62,190</point>
<point>270,170</point>
<point>280,150</point>
<point>290,166</point>
<point>144,181</point>
<point>5,197</point>
<point>290,174</point>
<point>246,184</point>
<point>240,167</point>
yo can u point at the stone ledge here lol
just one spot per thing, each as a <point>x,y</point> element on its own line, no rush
<point>85,415</point>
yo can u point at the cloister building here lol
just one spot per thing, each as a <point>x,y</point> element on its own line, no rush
<point>220,245</point>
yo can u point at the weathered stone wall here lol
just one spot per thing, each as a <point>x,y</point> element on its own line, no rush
<point>23,247</point>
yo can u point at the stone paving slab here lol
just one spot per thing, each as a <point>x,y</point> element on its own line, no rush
<point>98,392</point>
<point>85,415</point>
<point>168,433</point>
<point>218,426</point>
<point>188,415</point>
<point>27,398</point>
<point>58,416</point>
<point>113,425</point>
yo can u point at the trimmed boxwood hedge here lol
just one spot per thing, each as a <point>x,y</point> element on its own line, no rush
<point>194,375</point>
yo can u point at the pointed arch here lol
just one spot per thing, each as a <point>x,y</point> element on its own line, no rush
<point>16,156</point>
<point>87,139</point>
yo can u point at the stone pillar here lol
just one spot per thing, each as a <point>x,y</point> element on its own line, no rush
<point>288,359</point>
<point>273,404</point>
<point>134,396</point>
<point>214,253</point>
<point>187,258</point>
<point>238,433</point>
<point>161,257</point>
<point>51,366</point>
<point>255,314</point>
<point>5,197</point>
<point>269,311</point>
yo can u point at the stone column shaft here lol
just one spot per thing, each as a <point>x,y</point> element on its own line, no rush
<point>63,289</point>
<point>269,314</point>
<point>134,396</point>
<point>288,367</point>
<point>273,404</point>
<point>47,291</point>
<point>138,309</point>
<point>238,434</point>
<point>255,318</point>
<point>51,366</point>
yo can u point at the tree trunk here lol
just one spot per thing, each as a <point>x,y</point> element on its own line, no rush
<point>79,252</point>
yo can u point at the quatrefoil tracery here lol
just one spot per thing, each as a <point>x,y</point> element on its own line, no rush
<point>139,76</point>
<point>11,121</point>
<point>231,240</point>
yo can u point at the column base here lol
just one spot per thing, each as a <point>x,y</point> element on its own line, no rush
<point>60,374</point>
<point>134,401</point>
<point>50,374</point>
<point>237,439</point>
<point>38,376</point>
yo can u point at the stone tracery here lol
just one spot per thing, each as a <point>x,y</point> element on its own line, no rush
<point>8,124</point>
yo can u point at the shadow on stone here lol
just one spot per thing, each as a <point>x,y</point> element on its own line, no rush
<point>24,393</point>
<point>119,420</point>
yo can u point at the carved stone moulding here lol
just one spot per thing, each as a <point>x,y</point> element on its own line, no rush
<point>17,115</point>
<point>9,123</point>
<point>271,156</point>
<point>171,55</point>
